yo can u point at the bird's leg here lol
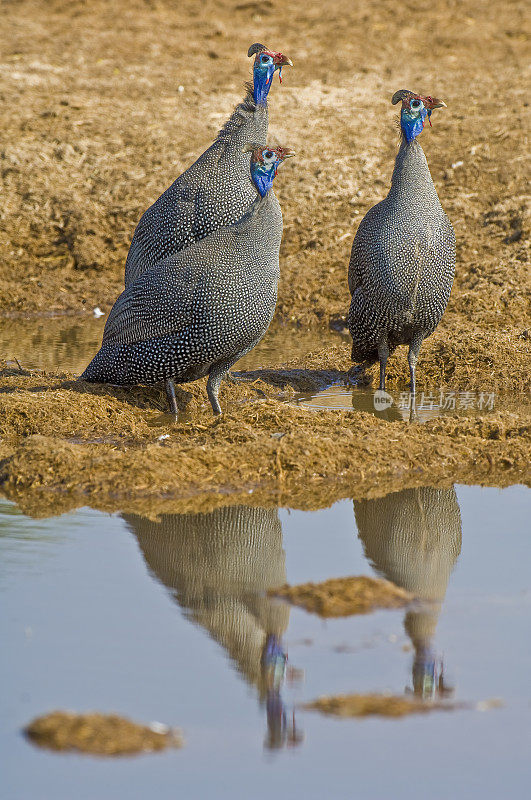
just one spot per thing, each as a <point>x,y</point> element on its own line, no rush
<point>383,355</point>
<point>215,376</point>
<point>412,357</point>
<point>213,391</point>
<point>172,400</point>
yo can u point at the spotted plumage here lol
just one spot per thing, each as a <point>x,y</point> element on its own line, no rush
<point>413,539</point>
<point>197,312</point>
<point>403,257</point>
<point>214,191</point>
<point>219,566</point>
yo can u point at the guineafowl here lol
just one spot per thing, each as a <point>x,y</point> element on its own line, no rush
<point>215,191</point>
<point>413,538</point>
<point>199,311</point>
<point>219,566</point>
<point>403,257</point>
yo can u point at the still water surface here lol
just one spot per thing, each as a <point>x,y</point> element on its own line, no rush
<point>69,343</point>
<point>170,621</point>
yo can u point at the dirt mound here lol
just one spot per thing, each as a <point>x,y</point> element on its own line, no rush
<point>100,734</point>
<point>459,359</point>
<point>64,442</point>
<point>342,597</point>
<point>368,705</point>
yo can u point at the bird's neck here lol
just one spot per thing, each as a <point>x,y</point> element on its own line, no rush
<point>263,213</point>
<point>261,205</point>
<point>411,174</point>
<point>247,123</point>
<point>262,181</point>
<point>262,81</point>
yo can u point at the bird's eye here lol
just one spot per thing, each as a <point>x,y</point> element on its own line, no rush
<point>268,154</point>
<point>416,104</point>
<point>264,59</point>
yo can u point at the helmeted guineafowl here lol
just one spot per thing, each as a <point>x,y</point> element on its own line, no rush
<point>199,311</point>
<point>219,567</point>
<point>403,257</point>
<point>215,190</point>
<point>413,538</point>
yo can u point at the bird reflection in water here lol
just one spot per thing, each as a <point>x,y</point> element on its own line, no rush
<point>219,567</point>
<point>413,538</point>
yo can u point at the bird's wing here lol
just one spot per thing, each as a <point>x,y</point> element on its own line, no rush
<point>167,298</point>
<point>353,272</point>
<point>182,212</point>
<point>144,311</point>
<point>360,247</point>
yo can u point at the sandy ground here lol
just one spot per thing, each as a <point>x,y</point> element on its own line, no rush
<point>97,128</point>
<point>108,103</point>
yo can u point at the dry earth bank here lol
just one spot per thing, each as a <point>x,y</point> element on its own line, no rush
<point>98,126</point>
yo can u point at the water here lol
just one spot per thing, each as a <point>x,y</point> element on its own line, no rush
<point>69,343</point>
<point>169,620</point>
<point>396,405</point>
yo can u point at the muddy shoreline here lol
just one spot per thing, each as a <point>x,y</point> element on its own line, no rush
<point>83,159</point>
<point>65,443</point>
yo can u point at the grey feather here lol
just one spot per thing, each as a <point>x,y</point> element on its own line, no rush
<point>402,263</point>
<point>213,192</point>
<point>219,567</point>
<point>199,311</point>
<point>413,538</point>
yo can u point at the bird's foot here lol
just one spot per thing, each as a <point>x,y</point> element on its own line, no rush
<point>357,375</point>
<point>178,398</point>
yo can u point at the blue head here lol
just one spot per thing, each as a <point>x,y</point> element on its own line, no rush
<point>415,110</point>
<point>264,164</point>
<point>265,64</point>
